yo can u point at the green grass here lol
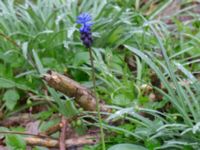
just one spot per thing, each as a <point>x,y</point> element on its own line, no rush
<point>41,35</point>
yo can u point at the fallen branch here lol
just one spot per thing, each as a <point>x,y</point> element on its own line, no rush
<point>79,141</point>
<point>71,88</point>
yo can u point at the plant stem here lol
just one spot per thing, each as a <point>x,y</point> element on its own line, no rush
<point>98,100</point>
<point>22,133</point>
<point>9,39</point>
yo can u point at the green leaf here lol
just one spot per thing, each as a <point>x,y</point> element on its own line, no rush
<point>80,58</point>
<point>15,142</point>
<point>44,115</point>
<point>47,124</point>
<point>127,147</point>
<point>4,83</point>
<point>3,129</point>
<point>11,97</point>
<point>56,96</point>
<point>39,65</point>
<point>121,100</point>
<point>71,108</point>
<point>25,50</point>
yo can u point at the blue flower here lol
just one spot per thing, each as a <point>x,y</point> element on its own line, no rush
<point>86,36</point>
<point>83,18</point>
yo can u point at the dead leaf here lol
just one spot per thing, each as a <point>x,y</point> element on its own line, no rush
<point>33,127</point>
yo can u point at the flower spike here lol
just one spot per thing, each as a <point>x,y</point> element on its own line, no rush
<point>86,36</point>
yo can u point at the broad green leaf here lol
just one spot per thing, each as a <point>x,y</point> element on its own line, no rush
<point>47,124</point>
<point>121,100</point>
<point>80,58</point>
<point>25,88</point>
<point>15,142</point>
<point>127,147</point>
<point>44,115</point>
<point>11,97</point>
<point>4,83</point>
<point>70,107</point>
<point>61,106</point>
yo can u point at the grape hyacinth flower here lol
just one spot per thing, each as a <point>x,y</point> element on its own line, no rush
<point>86,36</point>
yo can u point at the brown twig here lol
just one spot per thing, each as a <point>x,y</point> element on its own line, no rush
<point>42,140</point>
<point>71,88</point>
<point>62,137</point>
<point>79,141</point>
<point>23,133</point>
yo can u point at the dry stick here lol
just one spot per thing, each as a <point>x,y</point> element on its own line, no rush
<point>62,137</point>
<point>73,89</point>
<point>41,140</point>
<point>23,133</point>
<point>79,141</point>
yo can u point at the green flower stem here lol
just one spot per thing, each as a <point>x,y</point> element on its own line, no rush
<point>98,100</point>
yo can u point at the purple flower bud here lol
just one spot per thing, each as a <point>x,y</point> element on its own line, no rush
<point>86,36</point>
